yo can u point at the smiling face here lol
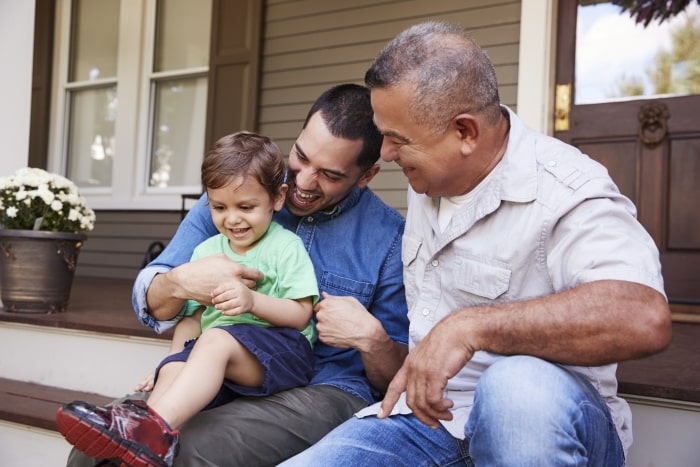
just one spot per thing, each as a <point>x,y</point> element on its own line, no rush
<point>433,162</point>
<point>322,169</point>
<point>242,211</point>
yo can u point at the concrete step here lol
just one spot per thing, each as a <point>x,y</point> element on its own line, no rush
<point>27,421</point>
<point>101,363</point>
<point>96,351</point>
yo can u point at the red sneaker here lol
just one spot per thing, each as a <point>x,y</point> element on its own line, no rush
<point>131,431</point>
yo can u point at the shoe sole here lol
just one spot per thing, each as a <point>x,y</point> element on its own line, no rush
<point>99,443</point>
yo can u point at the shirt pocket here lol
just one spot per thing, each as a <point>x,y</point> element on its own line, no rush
<point>409,250</point>
<point>484,279</point>
<point>343,286</point>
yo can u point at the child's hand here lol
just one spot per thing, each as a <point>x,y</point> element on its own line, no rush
<point>146,385</point>
<point>233,300</point>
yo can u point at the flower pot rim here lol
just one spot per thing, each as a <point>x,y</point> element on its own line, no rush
<point>25,233</point>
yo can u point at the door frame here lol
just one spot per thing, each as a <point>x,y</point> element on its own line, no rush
<point>536,63</point>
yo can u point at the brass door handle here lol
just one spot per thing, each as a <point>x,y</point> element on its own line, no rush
<point>562,107</point>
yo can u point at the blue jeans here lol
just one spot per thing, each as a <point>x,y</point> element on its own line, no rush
<point>527,412</point>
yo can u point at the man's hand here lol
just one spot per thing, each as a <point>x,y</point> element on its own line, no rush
<point>344,323</point>
<point>425,371</point>
<point>197,280</point>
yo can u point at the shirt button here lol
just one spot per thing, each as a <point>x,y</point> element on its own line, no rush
<point>310,219</point>
<point>435,263</point>
<point>426,312</point>
<point>552,163</point>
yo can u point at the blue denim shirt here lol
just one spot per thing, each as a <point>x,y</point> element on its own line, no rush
<point>356,251</point>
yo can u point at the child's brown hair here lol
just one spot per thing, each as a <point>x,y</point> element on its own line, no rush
<point>244,154</point>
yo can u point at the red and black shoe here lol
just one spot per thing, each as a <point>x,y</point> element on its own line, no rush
<point>131,431</point>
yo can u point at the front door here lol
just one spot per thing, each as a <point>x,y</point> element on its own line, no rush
<point>638,113</point>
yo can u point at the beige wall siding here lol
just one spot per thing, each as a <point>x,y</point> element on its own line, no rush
<point>310,45</point>
<point>117,245</point>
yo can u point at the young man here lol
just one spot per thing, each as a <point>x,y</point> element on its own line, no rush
<point>527,277</point>
<point>354,241</point>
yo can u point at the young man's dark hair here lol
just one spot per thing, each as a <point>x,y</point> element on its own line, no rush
<point>349,120</point>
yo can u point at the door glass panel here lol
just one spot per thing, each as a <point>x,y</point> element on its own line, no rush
<point>91,136</point>
<point>617,59</point>
<point>182,34</point>
<point>178,134</point>
<point>95,31</point>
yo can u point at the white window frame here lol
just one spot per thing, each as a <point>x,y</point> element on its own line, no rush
<point>130,168</point>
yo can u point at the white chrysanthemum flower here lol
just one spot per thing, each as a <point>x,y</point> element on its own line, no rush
<point>45,194</point>
<point>56,205</point>
<point>36,199</point>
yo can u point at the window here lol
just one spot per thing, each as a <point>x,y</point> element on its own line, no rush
<point>130,99</point>
<point>618,59</point>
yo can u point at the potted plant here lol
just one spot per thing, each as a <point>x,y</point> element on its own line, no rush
<point>42,223</point>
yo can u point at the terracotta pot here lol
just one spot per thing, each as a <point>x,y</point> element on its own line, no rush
<point>36,269</point>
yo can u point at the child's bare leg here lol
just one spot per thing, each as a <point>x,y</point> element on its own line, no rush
<point>166,376</point>
<point>215,355</point>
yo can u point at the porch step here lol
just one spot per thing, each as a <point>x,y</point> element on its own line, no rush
<point>96,351</point>
<point>28,434</point>
<point>94,362</point>
<point>35,405</point>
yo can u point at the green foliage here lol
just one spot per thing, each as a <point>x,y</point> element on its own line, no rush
<point>645,11</point>
<point>674,71</point>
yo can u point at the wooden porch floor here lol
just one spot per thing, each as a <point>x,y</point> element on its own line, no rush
<point>96,304</point>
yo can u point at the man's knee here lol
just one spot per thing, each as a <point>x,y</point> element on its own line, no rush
<point>525,391</point>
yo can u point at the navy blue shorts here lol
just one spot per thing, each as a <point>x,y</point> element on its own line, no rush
<point>285,354</point>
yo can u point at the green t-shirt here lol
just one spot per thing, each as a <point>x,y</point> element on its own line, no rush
<point>282,258</point>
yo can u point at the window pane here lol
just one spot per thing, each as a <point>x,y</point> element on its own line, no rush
<point>618,59</point>
<point>95,33</point>
<point>178,135</point>
<point>182,34</point>
<point>91,136</point>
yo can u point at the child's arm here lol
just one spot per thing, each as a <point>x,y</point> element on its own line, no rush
<point>282,311</point>
<point>276,311</point>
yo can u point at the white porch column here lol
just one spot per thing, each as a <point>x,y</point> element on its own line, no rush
<point>16,46</point>
<point>536,63</point>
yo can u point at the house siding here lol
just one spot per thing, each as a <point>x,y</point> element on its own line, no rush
<point>117,246</point>
<point>308,46</point>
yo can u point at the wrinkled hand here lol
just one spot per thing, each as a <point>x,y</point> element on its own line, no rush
<point>424,374</point>
<point>343,322</point>
<point>233,298</point>
<point>202,276</point>
<point>146,384</point>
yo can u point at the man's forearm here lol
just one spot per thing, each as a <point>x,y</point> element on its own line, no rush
<point>380,371</point>
<point>593,324</point>
<point>162,297</point>
<point>382,360</point>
